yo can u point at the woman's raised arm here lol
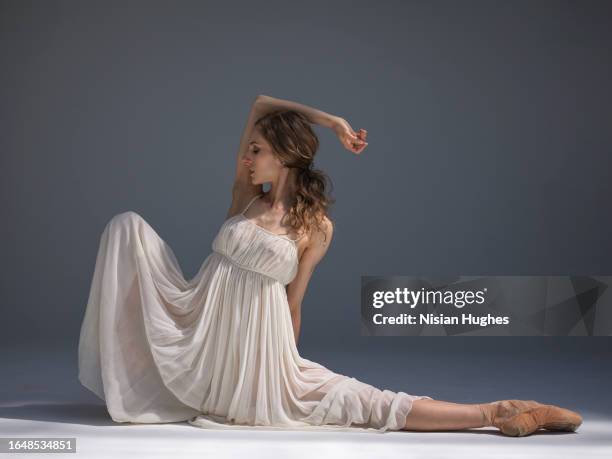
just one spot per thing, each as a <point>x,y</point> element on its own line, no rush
<point>242,179</point>
<point>313,115</point>
<point>243,190</point>
<point>353,141</point>
<point>260,107</point>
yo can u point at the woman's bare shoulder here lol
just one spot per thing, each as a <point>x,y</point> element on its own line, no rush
<point>322,234</point>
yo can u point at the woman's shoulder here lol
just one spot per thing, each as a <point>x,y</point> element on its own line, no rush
<point>327,225</point>
<point>327,228</point>
<point>322,232</point>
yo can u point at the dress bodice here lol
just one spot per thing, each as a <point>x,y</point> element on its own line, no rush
<point>250,246</point>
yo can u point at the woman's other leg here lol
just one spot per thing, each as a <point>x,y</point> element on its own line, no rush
<point>427,415</point>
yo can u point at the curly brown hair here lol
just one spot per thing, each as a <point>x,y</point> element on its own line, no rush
<point>295,144</point>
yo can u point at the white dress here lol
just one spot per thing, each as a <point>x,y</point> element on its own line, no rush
<point>218,350</point>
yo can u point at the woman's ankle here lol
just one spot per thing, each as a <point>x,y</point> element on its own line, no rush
<point>487,409</point>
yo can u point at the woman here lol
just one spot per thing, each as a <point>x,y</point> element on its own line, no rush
<point>220,350</point>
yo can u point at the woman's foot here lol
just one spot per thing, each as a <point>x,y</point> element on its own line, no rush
<point>518,418</point>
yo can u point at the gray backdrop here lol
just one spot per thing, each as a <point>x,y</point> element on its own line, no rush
<point>489,132</point>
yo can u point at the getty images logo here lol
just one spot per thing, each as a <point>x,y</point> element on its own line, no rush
<point>458,298</point>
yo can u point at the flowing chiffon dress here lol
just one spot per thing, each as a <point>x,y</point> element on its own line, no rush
<point>218,350</point>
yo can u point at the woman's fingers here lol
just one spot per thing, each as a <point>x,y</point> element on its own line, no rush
<point>359,148</point>
<point>355,141</point>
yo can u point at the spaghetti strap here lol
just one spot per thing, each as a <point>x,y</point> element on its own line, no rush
<point>281,235</point>
<point>297,239</point>
<point>251,202</point>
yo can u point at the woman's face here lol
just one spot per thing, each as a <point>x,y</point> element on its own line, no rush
<point>260,159</point>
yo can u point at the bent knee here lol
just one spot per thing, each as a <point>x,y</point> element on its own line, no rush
<point>127,217</point>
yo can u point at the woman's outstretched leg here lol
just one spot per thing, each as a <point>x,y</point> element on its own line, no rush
<point>428,415</point>
<point>513,417</point>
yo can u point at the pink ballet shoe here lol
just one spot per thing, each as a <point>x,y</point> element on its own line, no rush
<point>518,418</point>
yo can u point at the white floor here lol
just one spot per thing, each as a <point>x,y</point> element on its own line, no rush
<point>98,437</point>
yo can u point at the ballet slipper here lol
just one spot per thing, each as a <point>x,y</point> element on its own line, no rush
<point>518,418</point>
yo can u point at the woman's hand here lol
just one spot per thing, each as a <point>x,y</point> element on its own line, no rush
<point>355,142</point>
